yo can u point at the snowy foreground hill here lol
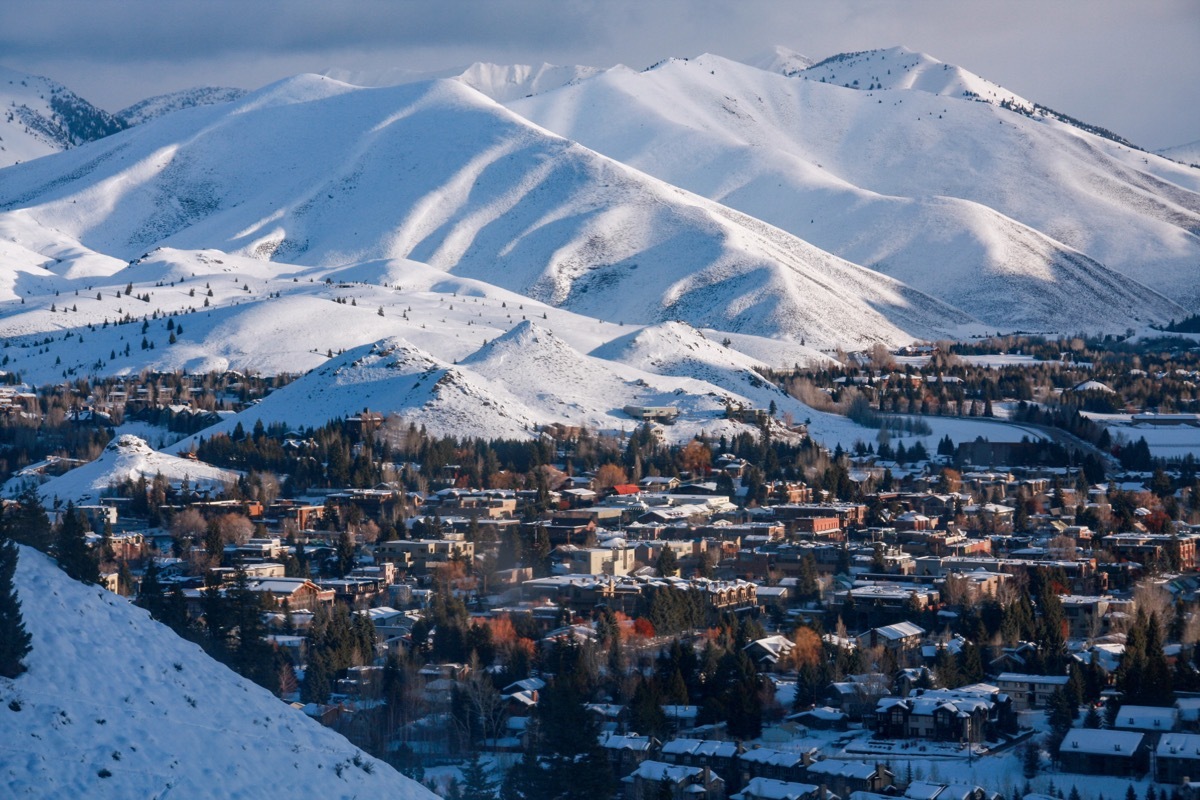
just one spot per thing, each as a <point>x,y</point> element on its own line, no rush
<point>116,705</point>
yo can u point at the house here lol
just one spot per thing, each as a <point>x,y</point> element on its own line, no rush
<point>684,783</point>
<point>1029,692</point>
<point>625,753</point>
<point>899,637</point>
<point>777,765</point>
<point>1146,719</point>
<point>927,790</point>
<point>821,718</point>
<point>857,696</point>
<point>845,777</point>
<point>766,653</point>
<point>1177,758</point>
<point>945,715</point>
<point>1091,751</point>
<point>418,555</point>
<point>1189,714</point>
<point>717,756</point>
<point>771,789</point>
<point>300,594</point>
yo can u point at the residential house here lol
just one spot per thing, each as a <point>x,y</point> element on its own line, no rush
<point>1030,692</point>
<point>945,715</point>
<point>1146,719</point>
<point>1177,758</point>
<point>845,777</point>
<point>1091,751</point>
<point>767,653</point>
<point>626,753</point>
<point>771,789</point>
<point>901,637</point>
<point>683,783</point>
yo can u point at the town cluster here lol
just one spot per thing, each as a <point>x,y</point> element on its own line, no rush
<point>752,619</point>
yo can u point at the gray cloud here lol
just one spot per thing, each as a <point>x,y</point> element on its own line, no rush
<point>1130,68</point>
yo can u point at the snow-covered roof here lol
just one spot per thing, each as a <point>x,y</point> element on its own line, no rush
<point>771,789</point>
<point>1179,745</point>
<point>658,770</point>
<point>1102,742</point>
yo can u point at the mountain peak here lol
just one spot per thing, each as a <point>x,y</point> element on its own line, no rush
<point>41,117</point>
<point>902,68</point>
<point>780,59</point>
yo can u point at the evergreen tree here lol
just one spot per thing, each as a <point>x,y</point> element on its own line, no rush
<point>807,587</point>
<point>26,521</point>
<point>252,656</point>
<point>646,715</point>
<point>318,683</point>
<point>575,760</point>
<point>667,564</point>
<point>1060,714</point>
<point>15,641</point>
<point>477,782</point>
<point>345,553</point>
<point>150,593</point>
<point>1030,760</point>
<point>74,555</point>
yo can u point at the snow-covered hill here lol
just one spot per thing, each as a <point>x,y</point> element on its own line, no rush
<point>901,68</point>
<point>154,107</point>
<point>319,173</point>
<point>513,384</point>
<point>1021,221</point>
<point>40,117</point>
<point>1184,153</point>
<point>501,82</point>
<point>780,59</point>
<point>116,705</point>
<point>128,458</point>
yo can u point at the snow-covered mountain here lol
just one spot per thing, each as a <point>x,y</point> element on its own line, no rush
<point>425,224</point>
<point>529,376</point>
<point>116,705</point>
<point>154,107</point>
<point>128,458</point>
<point>1021,221</point>
<point>501,82</point>
<point>315,172</point>
<point>1184,153</point>
<point>901,68</point>
<point>41,117</point>
<point>780,59</point>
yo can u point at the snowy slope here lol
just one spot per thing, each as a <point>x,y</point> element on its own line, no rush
<point>116,705</point>
<point>1184,153</point>
<point>319,173</point>
<point>1021,221</point>
<point>780,59</point>
<point>901,68</point>
<point>128,458</point>
<point>155,107</point>
<point>41,117</point>
<point>501,82</point>
<point>677,349</point>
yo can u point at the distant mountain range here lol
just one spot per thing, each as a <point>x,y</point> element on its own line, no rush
<point>779,208</point>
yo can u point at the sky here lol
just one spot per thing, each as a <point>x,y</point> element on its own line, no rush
<point>1132,67</point>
